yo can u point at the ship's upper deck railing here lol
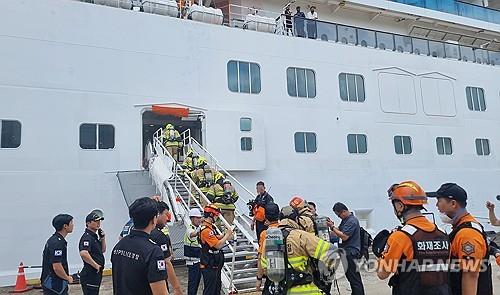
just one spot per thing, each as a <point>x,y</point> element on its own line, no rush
<point>458,8</point>
<point>331,32</point>
<point>271,22</point>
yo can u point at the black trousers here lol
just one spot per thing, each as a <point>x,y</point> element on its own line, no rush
<point>194,277</point>
<point>260,226</point>
<point>90,280</point>
<point>211,281</point>
<point>352,274</point>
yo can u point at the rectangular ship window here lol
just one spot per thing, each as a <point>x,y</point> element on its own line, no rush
<point>10,134</point>
<point>243,77</point>
<point>352,87</point>
<point>97,136</point>
<point>443,145</point>
<point>301,82</point>
<point>305,142</point>
<point>402,145</point>
<point>356,144</point>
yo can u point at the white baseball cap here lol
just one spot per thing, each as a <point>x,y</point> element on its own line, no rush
<point>194,212</point>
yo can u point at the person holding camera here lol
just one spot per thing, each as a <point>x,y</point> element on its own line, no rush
<point>92,247</point>
<point>257,208</point>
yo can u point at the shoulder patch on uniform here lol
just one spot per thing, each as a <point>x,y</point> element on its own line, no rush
<point>152,241</point>
<point>409,229</point>
<point>468,248</point>
<point>58,253</point>
<point>86,243</point>
<point>160,264</point>
<point>164,247</point>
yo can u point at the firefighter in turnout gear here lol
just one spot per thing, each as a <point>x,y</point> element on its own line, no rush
<point>417,253</point>
<point>204,178</point>
<point>190,162</point>
<point>224,197</point>
<point>172,140</point>
<point>470,269</point>
<point>272,219</point>
<point>211,256</point>
<point>305,215</point>
<point>298,247</point>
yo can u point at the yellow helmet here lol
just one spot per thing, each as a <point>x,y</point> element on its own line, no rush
<point>218,176</point>
<point>201,161</point>
<point>169,126</point>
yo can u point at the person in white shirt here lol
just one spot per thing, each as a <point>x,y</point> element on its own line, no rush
<point>312,16</point>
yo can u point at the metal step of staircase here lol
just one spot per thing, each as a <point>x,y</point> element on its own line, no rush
<point>243,270</point>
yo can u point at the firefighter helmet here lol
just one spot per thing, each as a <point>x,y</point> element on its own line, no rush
<point>169,126</point>
<point>201,161</point>
<point>211,210</point>
<point>297,202</point>
<point>408,193</point>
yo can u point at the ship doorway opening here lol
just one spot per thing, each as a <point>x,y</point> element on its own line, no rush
<point>151,122</point>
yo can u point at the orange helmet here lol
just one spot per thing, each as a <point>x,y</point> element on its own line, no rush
<point>211,210</point>
<point>297,202</point>
<point>408,192</point>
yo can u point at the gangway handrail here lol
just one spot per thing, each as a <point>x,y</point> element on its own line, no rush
<point>164,151</point>
<point>217,163</point>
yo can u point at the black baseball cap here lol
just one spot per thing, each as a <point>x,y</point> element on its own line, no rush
<point>451,191</point>
<point>93,217</point>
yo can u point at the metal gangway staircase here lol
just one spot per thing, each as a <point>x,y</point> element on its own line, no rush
<point>178,189</point>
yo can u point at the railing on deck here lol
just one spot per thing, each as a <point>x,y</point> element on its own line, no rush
<point>458,8</point>
<point>267,21</point>
<point>331,32</point>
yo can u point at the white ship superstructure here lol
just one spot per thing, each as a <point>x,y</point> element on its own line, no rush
<point>383,91</point>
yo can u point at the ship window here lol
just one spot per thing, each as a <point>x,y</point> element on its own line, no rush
<point>243,77</point>
<point>483,146</point>
<point>301,82</point>
<point>245,124</point>
<point>356,144</point>
<point>10,134</point>
<point>305,142</point>
<point>352,87</point>
<point>97,136</point>
<point>402,145</point>
<point>443,145</point>
<point>475,99</point>
<point>246,144</point>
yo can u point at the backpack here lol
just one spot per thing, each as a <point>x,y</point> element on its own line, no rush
<point>366,242</point>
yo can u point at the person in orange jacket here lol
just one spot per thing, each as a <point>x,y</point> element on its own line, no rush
<point>258,208</point>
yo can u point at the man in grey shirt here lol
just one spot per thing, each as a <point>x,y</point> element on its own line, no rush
<point>349,232</point>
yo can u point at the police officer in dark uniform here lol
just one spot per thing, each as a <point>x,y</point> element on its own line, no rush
<point>92,246</point>
<point>138,263</point>
<point>55,273</point>
<point>163,240</point>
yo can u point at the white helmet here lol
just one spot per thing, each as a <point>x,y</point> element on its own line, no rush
<point>194,212</point>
